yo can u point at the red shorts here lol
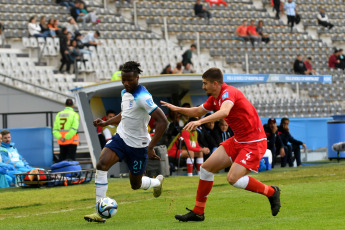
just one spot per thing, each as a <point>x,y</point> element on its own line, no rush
<point>245,154</point>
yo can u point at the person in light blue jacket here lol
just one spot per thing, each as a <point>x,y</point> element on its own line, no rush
<point>290,10</point>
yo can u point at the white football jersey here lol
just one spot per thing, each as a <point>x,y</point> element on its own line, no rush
<point>136,109</point>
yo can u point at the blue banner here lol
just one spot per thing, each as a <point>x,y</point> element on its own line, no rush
<point>266,78</point>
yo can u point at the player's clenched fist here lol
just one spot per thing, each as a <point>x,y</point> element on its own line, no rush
<point>99,122</point>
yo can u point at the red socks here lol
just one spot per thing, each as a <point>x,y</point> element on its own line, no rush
<point>256,186</point>
<point>204,189</point>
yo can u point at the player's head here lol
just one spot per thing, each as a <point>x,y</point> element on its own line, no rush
<point>110,114</point>
<point>284,123</point>
<point>130,75</point>
<point>69,102</point>
<point>6,136</point>
<point>212,81</point>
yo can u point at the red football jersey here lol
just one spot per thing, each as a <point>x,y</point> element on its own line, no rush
<point>242,119</point>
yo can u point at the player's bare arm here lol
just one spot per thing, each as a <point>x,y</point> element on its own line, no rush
<point>222,113</point>
<point>113,121</point>
<point>161,125</point>
<point>190,112</point>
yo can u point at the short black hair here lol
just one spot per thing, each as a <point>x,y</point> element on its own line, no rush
<point>309,58</point>
<point>213,74</point>
<point>186,104</point>
<point>132,66</point>
<point>193,45</point>
<point>110,111</point>
<point>98,33</point>
<point>121,67</point>
<point>283,120</point>
<point>5,132</point>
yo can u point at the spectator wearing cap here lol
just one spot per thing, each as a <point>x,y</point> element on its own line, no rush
<point>274,143</point>
<point>309,66</point>
<point>65,131</point>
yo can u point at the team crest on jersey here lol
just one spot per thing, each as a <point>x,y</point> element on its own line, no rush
<point>149,101</point>
<point>225,95</point>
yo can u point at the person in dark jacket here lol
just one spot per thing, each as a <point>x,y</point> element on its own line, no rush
<point>299,66</point>
<point>201,11</point>
<point>65,42</point>
<point>187,55</point>
<point>222,131</point>
<point>285,136</point>
<point>206,137</point>
<point>274,143</point>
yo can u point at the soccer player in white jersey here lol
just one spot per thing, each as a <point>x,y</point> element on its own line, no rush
<point>132,142</point>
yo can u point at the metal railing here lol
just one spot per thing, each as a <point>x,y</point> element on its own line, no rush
<point>48,117</point>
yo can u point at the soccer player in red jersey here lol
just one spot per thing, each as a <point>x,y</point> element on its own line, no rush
<point>243,151</point>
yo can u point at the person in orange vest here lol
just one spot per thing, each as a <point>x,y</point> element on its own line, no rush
<point>65,131</point>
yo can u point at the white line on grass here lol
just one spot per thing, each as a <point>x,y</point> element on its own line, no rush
<point>70,210</point>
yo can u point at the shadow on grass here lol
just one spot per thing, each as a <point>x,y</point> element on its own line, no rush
<point>21,206</point>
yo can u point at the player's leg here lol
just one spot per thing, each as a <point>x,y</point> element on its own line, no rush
<point>63,152</point>
<point>189,161</point>
<point>199,160</point>
<point>217,161</point>
<point>137,160</point>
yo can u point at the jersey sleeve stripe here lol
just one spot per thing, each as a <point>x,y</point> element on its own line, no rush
<point>204,108</point>
<point>153,110</point>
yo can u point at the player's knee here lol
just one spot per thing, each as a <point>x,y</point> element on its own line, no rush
<point>231,179</point>
<point>101,166</point>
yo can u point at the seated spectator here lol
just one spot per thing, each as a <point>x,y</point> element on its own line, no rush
<point>167,70</point>
<point>44,27</point>
<point>241,32</point>
<point>206,137</point>
<point>72,27</point>
<point>109,130</point>
<point>253,35</point>
<point>184,118</point>
<point>260,31</point>
<point>85,16</point>
<point>90,39</point>
<point>65,3</point>
<point>7,171</point>
<point>35,29</point>
<point>333,60</point>
<point>200,11</point>
<point>309,66</point>
<point>285,136</point>
<point>274,143</point>
<point>117,75</point>
<point>178,68</point>
<point>74,53</point>
<point>187,55</point>
<point>190,149</point>
<point>55,26</point>
<point>341,59</point>
<point>222,131</point>
<point>12,155</point>
<point>188,69</point>
<point>323,19</point>
<point>299,67</point>
<point>173,128</point>
<point>81,45</point>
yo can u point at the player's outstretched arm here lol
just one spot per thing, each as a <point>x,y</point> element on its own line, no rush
<point>161,125</point>
<point>190,112</point>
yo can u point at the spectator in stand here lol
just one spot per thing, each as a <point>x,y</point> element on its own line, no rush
<point>201,11</point>
<point>253,35</point>
<point>65,3</point>
<point>65,42</point>
<point>241,32</point>
<point>187,55</point>
<point>260,30</point>
<point>7,170</point>
<point>188,69</point>
<point>86,16</point>
<point>273,140</point>
<point>193,149</point>
<point>276,5</point>
<point>183,119</point>
<point>309,66</point>
<point>341,59</point>
<point>90,39</point>
<point>299,66</point>
<point>12,156</point>
<point>117,75</point>
<point>323,19</point>
<point>74,53</point>
<point>109,130</point>
<point>35,29</point>
<point>75,11</point>
<point>290,9</point>
<point>285,136</point>
<point>333,61</point>
<point>80,45</point>
<point>55,26</point>
<point>167,70</point>
<point>178,68</point>
<point>44,26</point>
<point>173,128</point>
<point>72,26</point>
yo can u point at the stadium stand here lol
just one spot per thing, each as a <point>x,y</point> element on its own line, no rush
<point>123,40</point>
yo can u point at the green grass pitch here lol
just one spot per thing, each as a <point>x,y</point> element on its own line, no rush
<point>312,198</point>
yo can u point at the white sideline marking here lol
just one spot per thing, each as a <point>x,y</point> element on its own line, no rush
<point>70,210</point>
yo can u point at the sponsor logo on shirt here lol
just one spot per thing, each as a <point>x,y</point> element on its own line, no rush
<point>225,95</point>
